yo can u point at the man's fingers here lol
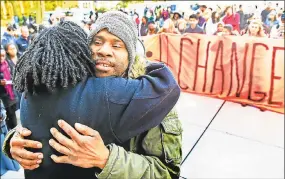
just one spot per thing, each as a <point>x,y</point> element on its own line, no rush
<point>69,130</point>
<point>63,140</point>
<point>60,148</point>
<point>85,130</point>
<point>26,143</point>
<point>23,153</point>
<point>61,159</point>
<point>26,162</point>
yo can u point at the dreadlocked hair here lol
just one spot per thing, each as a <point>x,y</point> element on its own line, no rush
<point>58,56</point>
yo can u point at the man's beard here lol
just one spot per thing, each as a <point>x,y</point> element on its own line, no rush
<point>111,63</point>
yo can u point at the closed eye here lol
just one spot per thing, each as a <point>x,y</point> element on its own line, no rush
<point>97,43</point>
<point>117,46</point>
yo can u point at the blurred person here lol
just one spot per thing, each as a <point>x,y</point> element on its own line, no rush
<point>165,14</point>
<point>168,27</point>
<point>12,57</point>
<point>210,9</point>
<point>150,16</point>
<point>146,9</point>
<point>277,31</point>
<point>31,20</point>
<point>86,25</point>
<point>55,18</point>
<point>203,8</point>
<point>182,25</point>
<point>12,54</point>
<point>93,20</point>
<point>136,19</point>
<point>194,27</point>
<point>90,14</point>
<point>171,14</point>
<point>232,18</point>
<point>7,91</point>
<point>265,12</point>
<point>229,30</point>
<point>244,16</point>
<point>24,40</point>
<point>255,29</point>
<point>201,19</point>
<point>176,17</point>
<point>271,20</point>
<point>220,29</point>
<point>258,19</point>
<point>160,22</point>
<point>279,14</point>
<point>186,17</point>
<point>33,29</point>
<point>144,26</point>
<point>16,20</point>
<point>49,19</point>
<point>211,19</point>
<point>24,20</point>
<point>158,12</point>
<point>8,36</point>
<point>152,29</point>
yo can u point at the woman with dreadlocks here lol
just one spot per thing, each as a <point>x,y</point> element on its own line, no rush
<point>56,76</point>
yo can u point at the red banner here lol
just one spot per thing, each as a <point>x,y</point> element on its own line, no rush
<point>240,69</point>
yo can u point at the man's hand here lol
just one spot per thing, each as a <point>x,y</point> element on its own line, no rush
<point>28,160</point>
<point>86,150</point>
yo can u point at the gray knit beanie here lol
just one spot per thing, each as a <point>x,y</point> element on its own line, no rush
<point>120,25</point>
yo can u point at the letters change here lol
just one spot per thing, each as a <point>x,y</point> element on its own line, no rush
<point>246,70</point>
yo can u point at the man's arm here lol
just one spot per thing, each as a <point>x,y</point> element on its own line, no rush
<point>158,155</point>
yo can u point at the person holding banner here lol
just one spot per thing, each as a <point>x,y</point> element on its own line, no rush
<point>255,29</point>
<point>194,27</point>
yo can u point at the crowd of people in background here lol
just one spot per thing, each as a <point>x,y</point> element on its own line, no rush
<point>231,20</point>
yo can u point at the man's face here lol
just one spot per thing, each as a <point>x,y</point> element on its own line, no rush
<point>25,32</point>
<point>3,55</point>
<point>110,54</point>
<point>226,31</point>
<point>193,21</point>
